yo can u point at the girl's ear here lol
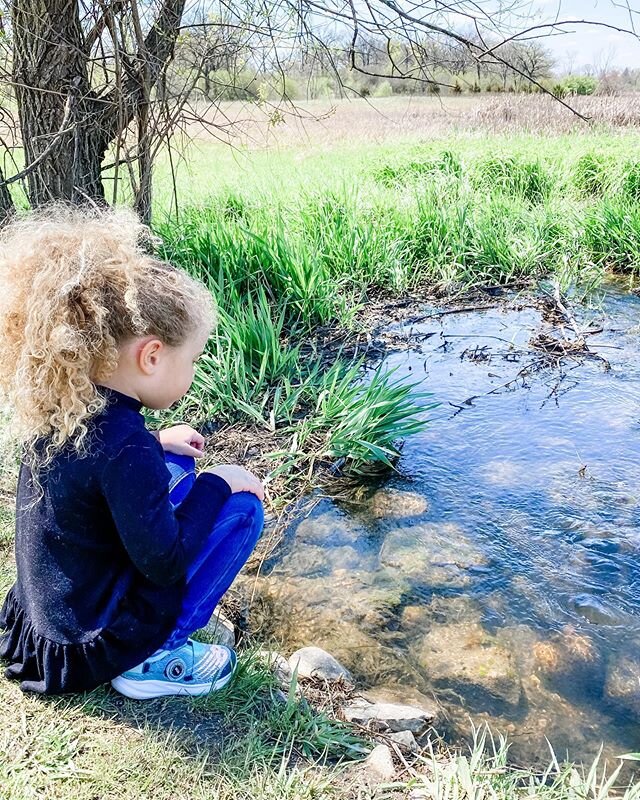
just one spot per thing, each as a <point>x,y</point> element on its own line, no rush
<point>149,354</point>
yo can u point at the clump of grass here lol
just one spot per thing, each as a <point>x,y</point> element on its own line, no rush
<point>612,236</point>
<point>529,180</point>
<point>405,172</point>
<point>345,236</point>
<point>507,242</point>
<point>354,423</point>
<point>251,369</point>
<point>592,175</point>
<point>631,181</point>
<point>279,725</point>
<point>255,249</point>
<point>434,234</point>
<point>485,771</point>
<point>363,420</point>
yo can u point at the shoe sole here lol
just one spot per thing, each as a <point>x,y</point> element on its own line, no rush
<point>148,689</point>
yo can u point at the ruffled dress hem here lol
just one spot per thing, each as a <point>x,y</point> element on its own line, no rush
<point>49,667</point>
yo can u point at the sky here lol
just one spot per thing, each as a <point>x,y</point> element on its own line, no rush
<point>590,44</point>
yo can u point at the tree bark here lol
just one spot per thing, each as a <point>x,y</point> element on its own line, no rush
<point>50,66</point>
<point>7,209</point>
<point>50,69</point>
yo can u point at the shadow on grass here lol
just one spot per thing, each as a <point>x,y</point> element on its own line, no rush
<point>249,727</point>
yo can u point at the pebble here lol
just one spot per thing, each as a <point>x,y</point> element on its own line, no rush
<point>405,740</point>
<point>378,765</point>
<point>394,716</point>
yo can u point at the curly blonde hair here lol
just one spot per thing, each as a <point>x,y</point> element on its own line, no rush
<point>75,284</point>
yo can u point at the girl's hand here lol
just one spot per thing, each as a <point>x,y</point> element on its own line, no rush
<point>239,479</point>
<point>182,440</point>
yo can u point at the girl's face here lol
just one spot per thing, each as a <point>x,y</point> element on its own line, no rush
<point>173,372</point>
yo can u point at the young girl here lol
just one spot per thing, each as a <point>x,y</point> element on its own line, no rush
<point>121,551</point>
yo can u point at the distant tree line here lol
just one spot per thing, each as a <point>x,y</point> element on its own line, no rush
<point>92,90</point>
<point>229,70</point>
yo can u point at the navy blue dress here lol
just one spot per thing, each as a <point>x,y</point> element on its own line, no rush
<point>101,556</point>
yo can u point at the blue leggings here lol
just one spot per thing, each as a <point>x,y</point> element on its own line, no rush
<point>230,543</point>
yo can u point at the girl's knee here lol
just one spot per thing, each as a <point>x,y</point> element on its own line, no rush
<point>248,507</point>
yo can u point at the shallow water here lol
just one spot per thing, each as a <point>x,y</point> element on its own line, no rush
<point>500,573</point>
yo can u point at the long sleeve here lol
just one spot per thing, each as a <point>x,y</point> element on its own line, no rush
<point>160,541</point>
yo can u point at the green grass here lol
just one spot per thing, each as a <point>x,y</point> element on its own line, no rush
<point>484,772</point>
<point>240,743</point>
<point>403,221</point>
<point>273,286</point>
<point>283,256</point>
<point>246,744</point>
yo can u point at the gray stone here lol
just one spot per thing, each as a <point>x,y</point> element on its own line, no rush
<point>278,665</point>
<point>403,695</point>
<point>622,684</point>
<point>392,716</point>
<point>378,765</point>
<point>219,630</point>
<point>314,662</point>
<point>405,740</point>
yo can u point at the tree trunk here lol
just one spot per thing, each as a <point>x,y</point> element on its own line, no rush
<point>66,128</point>
<point>50,70</point>
<point>7,209</point>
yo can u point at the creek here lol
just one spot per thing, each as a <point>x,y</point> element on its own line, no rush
<point>497,572</point>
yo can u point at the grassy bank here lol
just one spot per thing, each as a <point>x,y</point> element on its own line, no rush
<point>296,254</point>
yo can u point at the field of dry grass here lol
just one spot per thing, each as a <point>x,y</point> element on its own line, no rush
<point>327,123</point>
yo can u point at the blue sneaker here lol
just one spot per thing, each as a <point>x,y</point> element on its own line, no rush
<point>194,668</point>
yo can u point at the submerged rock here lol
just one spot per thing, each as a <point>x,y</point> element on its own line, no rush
<point>622,683</point>
<point>395,503</point>
<point>464,657</point>
<point>415,616</point>
<point>309,560</point>
<point>436,554</point>
<point>314,662</point>
<point>390,716</point>
<point>570,663</point>
<point>596,611</point>
<point>329,528</point>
